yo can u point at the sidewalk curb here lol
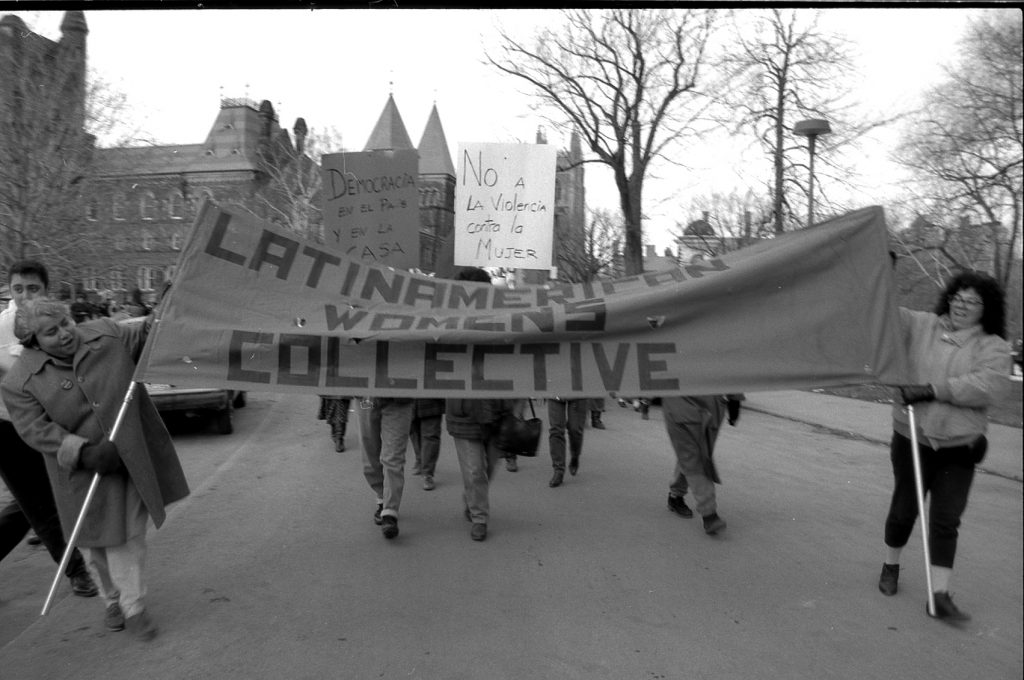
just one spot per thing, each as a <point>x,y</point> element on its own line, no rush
<point>871,440</point>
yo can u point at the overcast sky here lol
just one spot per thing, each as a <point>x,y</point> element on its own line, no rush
<point>335,68</point>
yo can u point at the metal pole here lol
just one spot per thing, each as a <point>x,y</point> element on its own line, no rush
<point>921,510</point>
<point>85,505</point>
<point>810,199</point>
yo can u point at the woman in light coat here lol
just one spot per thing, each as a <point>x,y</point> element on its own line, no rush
<point>64,394</point>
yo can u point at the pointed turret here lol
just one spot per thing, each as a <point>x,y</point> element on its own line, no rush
<point>435,158</point>
<point>389,132</point>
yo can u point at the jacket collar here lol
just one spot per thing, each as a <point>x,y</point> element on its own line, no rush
<point>960,337</point>
<point>35,358</point>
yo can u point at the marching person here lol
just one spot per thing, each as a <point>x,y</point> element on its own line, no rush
<point>334,410</point>
<point>64,394</point>
<point>384,425</point>
<point>22,469</point>
<point>425,434</point>
<point>692,424</point>
<point>958,362</point>
<point>565,417</point>
<point>473,423</point>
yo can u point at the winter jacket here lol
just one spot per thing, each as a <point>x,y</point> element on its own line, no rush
<point>59,408</point>
<point>968,370</point>
<point>475,418</point>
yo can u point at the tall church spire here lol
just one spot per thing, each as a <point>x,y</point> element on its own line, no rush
<point>389,132</point>
<point>435,158</point>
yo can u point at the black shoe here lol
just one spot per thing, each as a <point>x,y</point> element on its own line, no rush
<point>34,540</point>
<point>556,479</point>
<point>113,619</point>
<point>574,465</point>
<point>478,532</point>
<point>597,424</point>
<point>888,582</point>
<point>339,445</point>
<point>83,586</point>
<point>713,524</point>
<point>677,505</point>
<point>389,526</point>
<point>511,465</point>
<point>946,610</point>
<point>376,515</point>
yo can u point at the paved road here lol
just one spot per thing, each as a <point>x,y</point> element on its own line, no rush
<point>274,569</point>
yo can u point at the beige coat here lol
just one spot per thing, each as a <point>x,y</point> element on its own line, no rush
<point>58,408</point>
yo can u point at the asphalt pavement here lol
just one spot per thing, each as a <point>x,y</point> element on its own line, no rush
<point>273,568</point>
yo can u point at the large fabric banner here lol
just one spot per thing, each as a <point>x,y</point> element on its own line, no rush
<point>255,307</point>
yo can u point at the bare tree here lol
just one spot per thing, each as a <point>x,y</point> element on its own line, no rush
<point>50,118</point>
<point>594,255</point>
<point>733,220</point>
<point>292,196</point>
<point>625,79</point>
<point>788,69</point>
<point>966,148</point>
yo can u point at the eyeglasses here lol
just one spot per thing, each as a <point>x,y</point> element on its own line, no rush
<point>966,302</point>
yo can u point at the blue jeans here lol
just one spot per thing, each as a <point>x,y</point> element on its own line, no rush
<point>426,442</point>
<point>566,415</point>
<point>477,460</point>
<point>384,432</point>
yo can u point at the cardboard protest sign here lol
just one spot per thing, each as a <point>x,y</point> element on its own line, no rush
<point>254,307</point>
<point>371,206</point>
<point>505,205</point>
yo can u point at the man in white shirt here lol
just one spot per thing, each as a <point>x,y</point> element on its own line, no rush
<point>21,467</point>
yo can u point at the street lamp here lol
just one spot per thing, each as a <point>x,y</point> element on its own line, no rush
<point>811,128</point>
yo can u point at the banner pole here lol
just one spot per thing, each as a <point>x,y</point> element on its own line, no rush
<point>85,506</point>
<point>921,510</point>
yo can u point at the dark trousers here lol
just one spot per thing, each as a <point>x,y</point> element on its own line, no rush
<point>566,416</point>
<point>425,434</point>
<point>24,472</point>
<point>946,475</point>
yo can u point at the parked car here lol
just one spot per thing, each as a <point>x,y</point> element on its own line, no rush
<point>218,404</point>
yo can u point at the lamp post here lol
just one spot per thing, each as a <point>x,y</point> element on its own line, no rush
<point>811,128</point>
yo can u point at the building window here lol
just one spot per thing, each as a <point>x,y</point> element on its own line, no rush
<point>91,280</point>
<point>149,278</point>
<point>147,240</point>
<point>116,279</point>
<point>147,205</point>
<point>176,205</point>
<point>176,239</point>
<point>91,210</point>
<point>117,207</point>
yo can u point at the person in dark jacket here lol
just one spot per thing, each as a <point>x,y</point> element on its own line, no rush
<point>64,394</point>
<point>473,424</point>
<point>692,424</point>
<point>425,434</point>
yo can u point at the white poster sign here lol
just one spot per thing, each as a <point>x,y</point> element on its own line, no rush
<point>371,205</point>
<point>505,205</point>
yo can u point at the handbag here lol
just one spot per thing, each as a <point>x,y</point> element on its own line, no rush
<point>519,436</point>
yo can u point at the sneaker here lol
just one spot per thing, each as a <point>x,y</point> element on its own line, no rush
<point>598,425</point>
<point>946,610</point>
<point>114,618</point>
<point>888,582</point>
<point>376,515</point>
<point>713,524</point>
<point>83,586</point>
<point>389,526</point>
<point>428,483</point>
<point>510,465</point>
<point>677,505</point>
<point>478,532</point>
<point>141,626</point>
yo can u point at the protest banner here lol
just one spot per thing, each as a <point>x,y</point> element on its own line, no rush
<point>254,307</point>
<point>505,205</point>
<point>371,205</point>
